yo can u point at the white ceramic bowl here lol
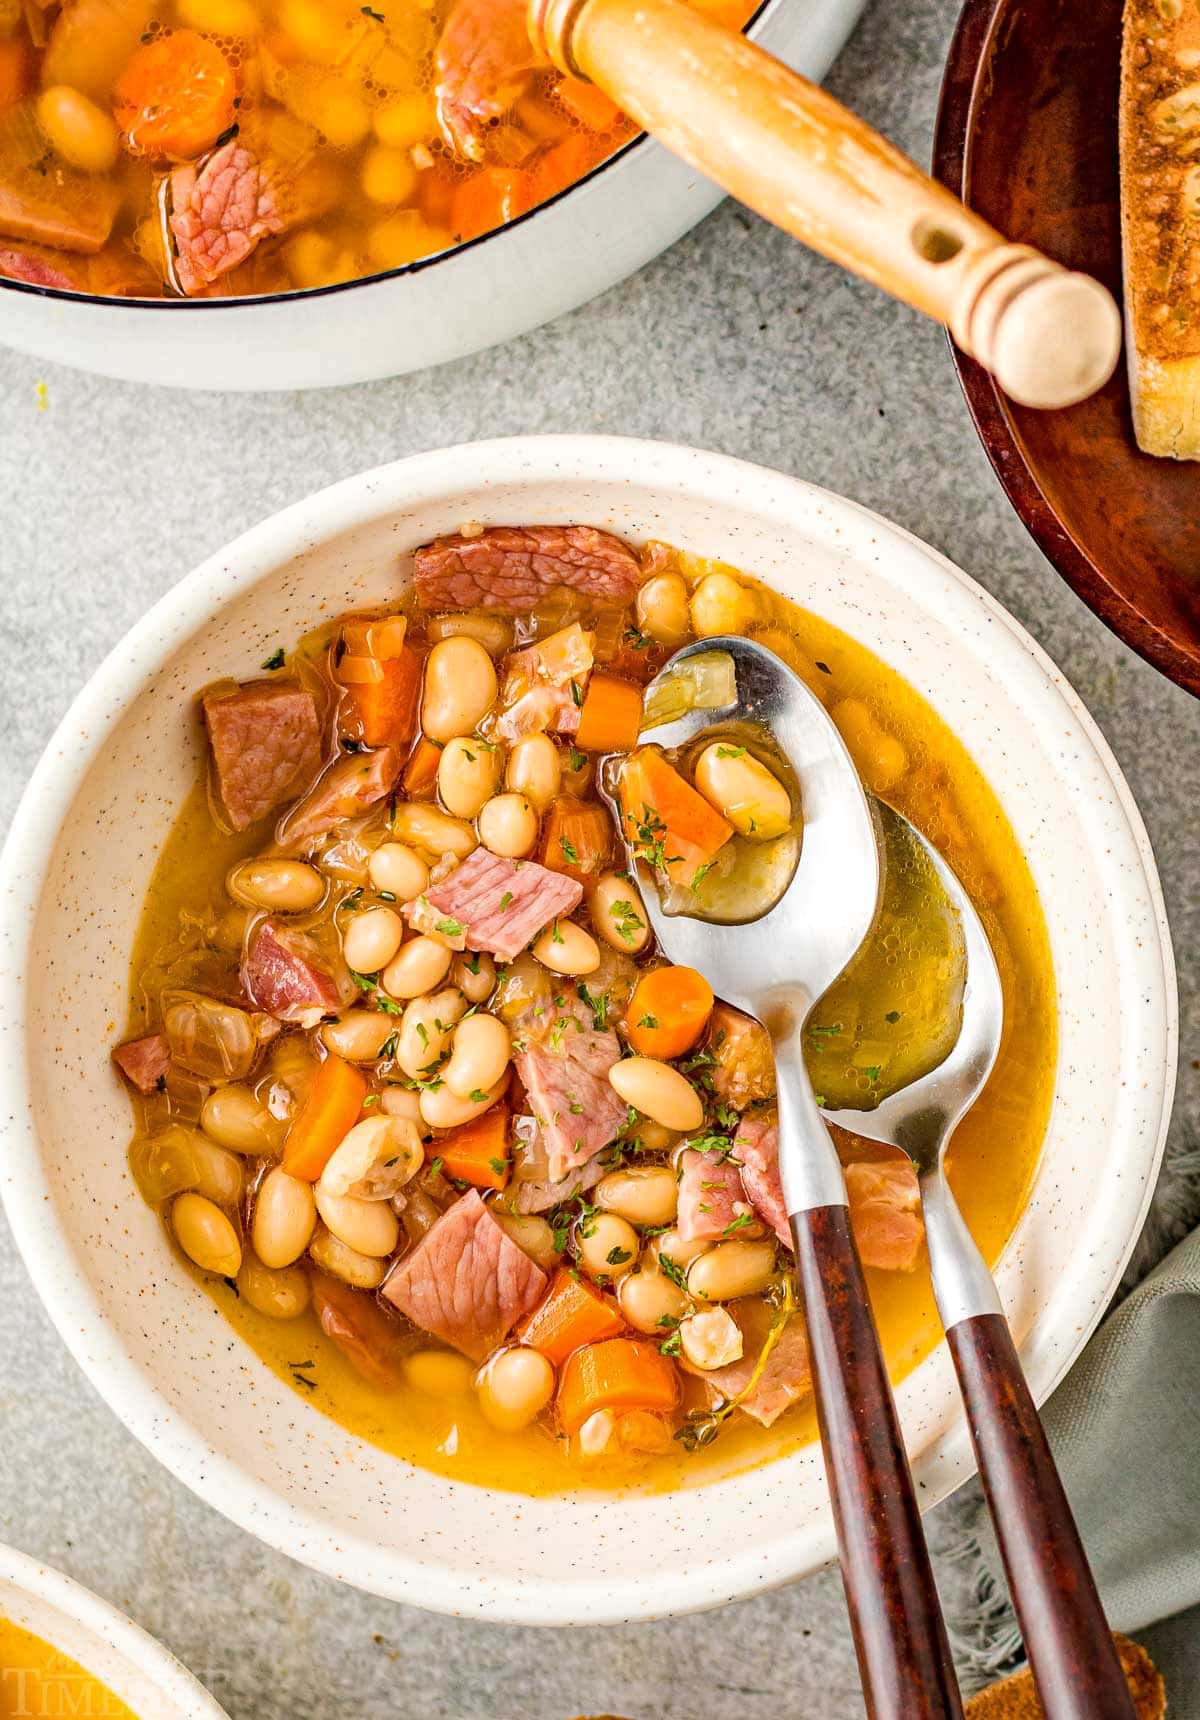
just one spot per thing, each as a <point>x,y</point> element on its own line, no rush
<point>75,872</point>
<point>537,267</point>
<point>103,1641</point>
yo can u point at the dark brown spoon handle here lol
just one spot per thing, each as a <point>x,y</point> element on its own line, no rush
<point>903,1653</point>
<point>1067,1638</point>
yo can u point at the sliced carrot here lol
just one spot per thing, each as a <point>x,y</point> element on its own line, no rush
<point>477,1152</point>
<point>436,189</point>
<point>420,773</point>
<point>175,97</point>
<point>668,1011</point>
<point>611,715</point>
<point>668,824</point>
<point>572,1314</point>
<point>587,104</point>
<point>577,839</point>
<point>564,163</point>
<point>488,198</point>
<point>380,674</point>
<point>619,1374</point>
<point>324,1120</point>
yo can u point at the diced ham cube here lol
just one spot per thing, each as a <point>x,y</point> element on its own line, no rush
<point>466,1282</point>
<point>144,1062</point>
<point>284,974</point>
<point>41,267</point>
<point>744,1071</point>
<point>711,1197</point>
<point>544,685</point>
<point>219,213</point>
<point>494,904</point>
<point>565,1075</point>
<point>756,1144</point>
<point>512,568</point>
<point>350,786</point>
<point>885,1213</point>
<point>266,745</point>
<point>786,1377</point>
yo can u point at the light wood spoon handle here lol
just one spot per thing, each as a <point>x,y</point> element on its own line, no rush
<point>789,151</point>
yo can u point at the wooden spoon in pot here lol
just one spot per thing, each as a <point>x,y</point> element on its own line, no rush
<point>799,158</point>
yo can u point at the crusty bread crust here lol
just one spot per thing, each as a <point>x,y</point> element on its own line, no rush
<point>1015,1698</point>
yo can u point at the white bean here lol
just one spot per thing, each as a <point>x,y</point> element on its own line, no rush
<point>494,632</point>
<point>421,964</point>
<point>467,772</point>
<point>662,609</point>
<point>371,938</point>
<point>514,1388</point>
<point>508,825</point>
<point>438,1373</point>
<point>363,1271</point>
<point>619,915</point>
<point>566,948</point>
<point>744,791</point>
<point>474,975</point>
<point>732,1269</point>
<point>531,1234</point>
<point>534,770</point>
<point>283,886</point>
<point>401,1102</point>
<point>83,134</point>
<point>460,688</point>
<point>442,1109</point>
<point>206,1235</point>
<point>280,1295</point>
<point>479,1055</point>
<point>217,1174</point>
<point>373,1162</point>
<point>285,1216</point>
<point>433,831</point>
<point>712,1339</point>
<point>658,1091</point>
<point>360,1035</point>
<point>644,1194</point>
<point>235,1117</point>
<point>369,1227</point>
<point>671,1246</point>
<point>650,1301</point>
<point>721,605</point>
<point>399,870</point>
<point>607,1246</point>
<point>425,1029</point>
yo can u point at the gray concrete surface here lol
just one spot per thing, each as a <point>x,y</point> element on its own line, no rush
<point>735,340</point>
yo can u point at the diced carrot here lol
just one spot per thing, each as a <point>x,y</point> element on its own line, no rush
<point>669,825</point>
<point>15,69</point>
<point>564,163</point>
<point>611,715</point>
<point>324,1120</point>
<point>619,1374</point>
<point>577,839</point>
<point>668,1011</point>
<point>572,1314</point>
<point>175,97</point>
<point>589,105</point>
<point>477,1152</point>
<point>488,198</point>
<point>420,773</point>
<point>436,188</point>
<point>381,692</point>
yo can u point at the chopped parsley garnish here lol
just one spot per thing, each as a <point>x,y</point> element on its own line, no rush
<point>477,1096</point>
<point>701,874</point>
<point>673,1270</point>
<point>618,1256</point>
<point>569,851</point>
<point>738,1223</point>
<point>372,1099</point>
<point>471,963</point>
<point>435,1167</point>
<point>387,895</point>
<point>577,759</point>
<point>731,752</point>
<point>628,922</point>
<point>500,1166</point>
<point>422,1032</point>
<point>673,1345</point>
<point>449,928</point>
<point>893,1015</point>
<point>505,900</point>
<point>826,1032</point>
<point>576,694</point>
<point>648,1021</point>
<point>276,660</point>
<point>637,639</point>
<point>872,1074</point>
<point>369,12</point>
<point>556,936</point>
<point>364,982</point>
<point>597,1004</point>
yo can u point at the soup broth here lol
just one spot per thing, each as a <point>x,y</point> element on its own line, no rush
<point>383,1377</point>
<point>38,1679</point>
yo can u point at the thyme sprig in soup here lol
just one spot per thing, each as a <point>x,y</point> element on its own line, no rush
<point>473,1166</point>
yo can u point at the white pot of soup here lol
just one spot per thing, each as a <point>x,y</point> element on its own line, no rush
<point>429,1223</point>
<point>261,194</point>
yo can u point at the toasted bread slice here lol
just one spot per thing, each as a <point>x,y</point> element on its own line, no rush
<point>1015,1698</point>
<point>1160,221</point>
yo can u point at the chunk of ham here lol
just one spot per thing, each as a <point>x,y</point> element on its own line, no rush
<point>497,905</point>
<point>544,685</point>
<point>40,267</point>
<point>744,1069</point>
<point>144,1062</point>
<point>785,1379</point>
<point>266,746</point>
<point>565,1075</point>
<point>512,568</point>
<point>219,213</point>
<point>711,1197</point>
<point>483,63</point>
<point>373,1340</point>
<point>347,788</point>
<point>884,1197</point>
<point>466,1282</point>
<point>284,974</point>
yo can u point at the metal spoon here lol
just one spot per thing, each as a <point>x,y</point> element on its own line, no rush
<point>1067,1638</point>
<point>775,968</point>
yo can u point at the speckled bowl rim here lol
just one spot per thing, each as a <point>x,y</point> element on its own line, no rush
<point>729,1572</point>
<point>82,1615</point>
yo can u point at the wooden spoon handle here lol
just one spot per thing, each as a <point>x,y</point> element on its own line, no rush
<point>789,151</point>
<point>903,1653</point>
<point>1067,1638</point>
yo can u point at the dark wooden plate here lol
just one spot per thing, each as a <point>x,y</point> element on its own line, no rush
<point>1027,135</point>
